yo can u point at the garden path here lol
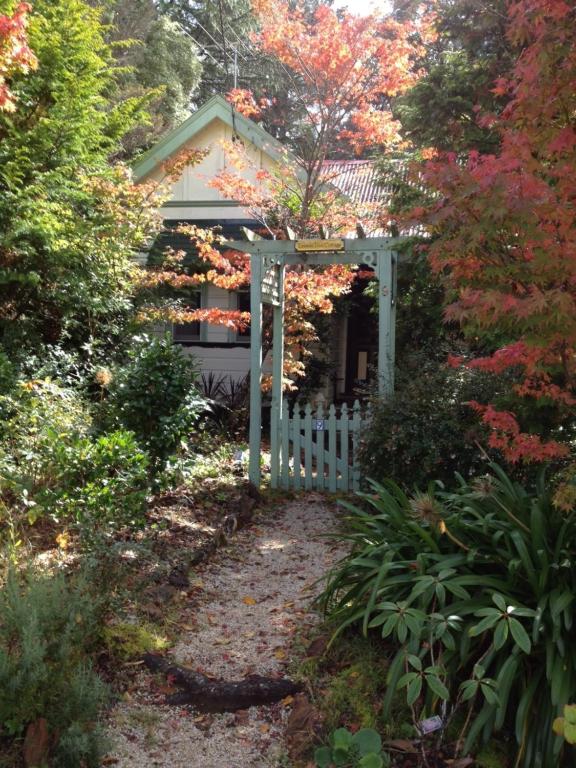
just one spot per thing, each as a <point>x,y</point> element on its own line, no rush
<point>253,596</point>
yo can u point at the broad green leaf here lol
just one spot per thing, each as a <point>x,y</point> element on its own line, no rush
<point>415,662</point>
<point>489,693</point>
<point>500,634</point>
<point>570,713</point>
<point>484,625</point>
<point>323,757</point>
<point>499,601</point>
<point>520,635</point>
<point>437,687</point>
<point>469,689</point>
<point>367,740</point>
<point>570,732</point>
<point>371,761</point>
<point>414,690</point>
<point>341,756</point>
<point>341,738</point>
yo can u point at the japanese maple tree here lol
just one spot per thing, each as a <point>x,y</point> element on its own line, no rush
<point>505,227</point>
<point>15,54</point>
<point>344,70</point>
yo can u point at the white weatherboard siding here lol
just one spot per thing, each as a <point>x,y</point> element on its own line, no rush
<point>225,358</point>
<point>217,298</point>
<point>222,361</point>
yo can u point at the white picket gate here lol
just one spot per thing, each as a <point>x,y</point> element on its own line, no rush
<point>319,450</point>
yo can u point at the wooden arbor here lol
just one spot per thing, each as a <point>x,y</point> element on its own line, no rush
<point>269,259</point>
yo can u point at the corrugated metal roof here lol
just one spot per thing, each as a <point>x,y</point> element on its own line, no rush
<point>362,182</point>
<point>357,179</point>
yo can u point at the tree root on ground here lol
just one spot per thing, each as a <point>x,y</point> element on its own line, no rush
<point>209,695</point>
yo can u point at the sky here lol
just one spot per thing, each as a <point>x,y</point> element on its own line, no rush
<point>363,7</point>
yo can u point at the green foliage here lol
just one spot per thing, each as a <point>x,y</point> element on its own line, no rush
<point>155,396</point>
<point>476,589</point>
<point>471,51</point>
<point>7,374</point>
<point>42,423</point>
<point>566,726</point>
<point>351,694</point>
<point>51,465</point>
<point>69,224</point>
<point>362,749</point>
<point>419,306</point>
<point>160,59</point>
<point>427,430</point>
<point>102,484</point>
<point>48,629</point>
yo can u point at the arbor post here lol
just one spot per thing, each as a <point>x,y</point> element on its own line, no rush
<point>386,273</point>
<point>277,374</point>
<point>255,367</point>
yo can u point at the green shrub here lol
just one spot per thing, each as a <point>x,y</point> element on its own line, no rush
<point>476,588</point>
<point>50,465</point>
<point>426,430</point>
<point>103,483</point>
<point>42,424</point>
<point>155,396</point>
<point>7,373</point>
<point>48,629</point>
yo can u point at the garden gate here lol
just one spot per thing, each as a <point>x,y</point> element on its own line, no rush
<point>312,450</point>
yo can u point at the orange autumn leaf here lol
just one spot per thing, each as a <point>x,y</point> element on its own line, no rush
<point>248,600</point>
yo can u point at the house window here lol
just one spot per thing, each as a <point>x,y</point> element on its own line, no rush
<point>243,305</point>
<point>188,331</point>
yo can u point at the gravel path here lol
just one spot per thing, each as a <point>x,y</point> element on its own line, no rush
<point>254,596</point>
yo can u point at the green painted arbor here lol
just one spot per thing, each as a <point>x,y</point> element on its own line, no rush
<point>269,259</point>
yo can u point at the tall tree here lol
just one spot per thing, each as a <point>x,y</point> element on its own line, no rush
<point>345,70</point>
<point>221,29</point>
<point>224,31</point>
<point>506,235</point>
<point>69,224</point>
<point>459,68</point>
<point>159,59</point>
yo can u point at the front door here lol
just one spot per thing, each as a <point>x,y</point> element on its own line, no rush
<point>362,340</point>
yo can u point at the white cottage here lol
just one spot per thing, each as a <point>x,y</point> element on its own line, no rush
<point>217,349</point>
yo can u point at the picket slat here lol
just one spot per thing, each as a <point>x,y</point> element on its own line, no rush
<point>297,445</point>
<point>320,439</point>
<point>332,457</point>
<point>308,446</point>
<point>344,479</point>
<point>285,469</point>
<point>356,430</point>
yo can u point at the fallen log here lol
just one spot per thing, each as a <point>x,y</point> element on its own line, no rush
<point>209,695</point>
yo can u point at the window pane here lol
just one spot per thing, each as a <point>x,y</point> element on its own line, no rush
<point>188,331</point>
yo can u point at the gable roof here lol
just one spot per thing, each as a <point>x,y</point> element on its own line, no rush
<point>216,108</point>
